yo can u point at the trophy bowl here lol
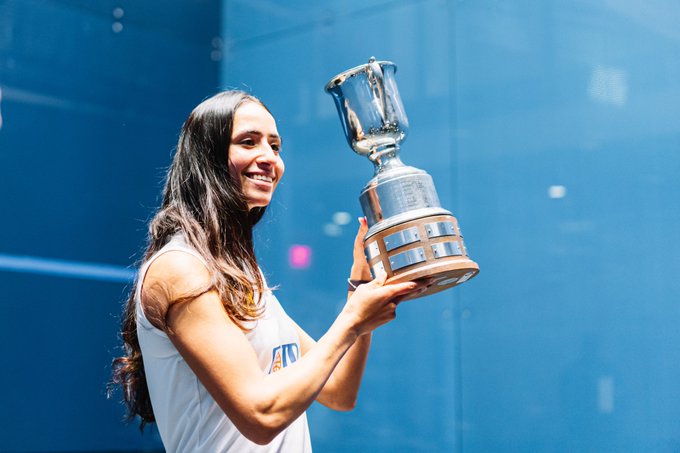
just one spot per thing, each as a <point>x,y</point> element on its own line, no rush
<point>410,236</point>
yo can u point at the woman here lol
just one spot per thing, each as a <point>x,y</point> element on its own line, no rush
<point>212,357</point>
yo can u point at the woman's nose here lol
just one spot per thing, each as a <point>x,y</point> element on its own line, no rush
<point>267,153</point>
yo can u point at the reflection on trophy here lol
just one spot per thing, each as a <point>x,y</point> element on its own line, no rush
<point>410,236</point>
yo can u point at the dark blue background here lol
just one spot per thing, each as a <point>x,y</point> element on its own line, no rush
<point>551,130</point>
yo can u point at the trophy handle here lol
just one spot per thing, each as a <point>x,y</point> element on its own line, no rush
<point>378,86</point>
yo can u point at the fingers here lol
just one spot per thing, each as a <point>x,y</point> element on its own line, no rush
<point>380,277</point>
<point>397,292</point>
<point>395,289</point>
<point>361,233</point>
<point>375,303</point>
<point>360,268</point>
<point>363,224</point>
<point>398,289</point>
<point>363,229</point>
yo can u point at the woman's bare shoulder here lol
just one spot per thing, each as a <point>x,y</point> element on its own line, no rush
<point>173,275</point>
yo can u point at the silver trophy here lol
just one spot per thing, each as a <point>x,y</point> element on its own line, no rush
<point>410,236</point>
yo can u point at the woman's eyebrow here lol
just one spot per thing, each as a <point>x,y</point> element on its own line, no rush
<point>251,132</point>
<point>257,133</point>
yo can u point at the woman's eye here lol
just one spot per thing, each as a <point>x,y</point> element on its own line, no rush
<point>247,142</point>
<point>276,147</point>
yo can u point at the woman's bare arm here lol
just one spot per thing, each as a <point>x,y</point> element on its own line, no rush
<point>218,352</point>
<point>342,389</point>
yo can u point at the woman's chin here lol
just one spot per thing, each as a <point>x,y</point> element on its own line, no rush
<point>258,204</point>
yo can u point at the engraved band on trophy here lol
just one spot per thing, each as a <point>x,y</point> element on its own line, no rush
<point>410,236</point>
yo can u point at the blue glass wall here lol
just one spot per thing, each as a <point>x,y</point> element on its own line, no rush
<point>551,131</point>
<point>93,96</point>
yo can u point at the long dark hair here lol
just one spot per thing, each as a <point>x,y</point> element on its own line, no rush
<point>204,203</point>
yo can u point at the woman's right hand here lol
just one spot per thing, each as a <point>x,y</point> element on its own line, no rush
<point>374,304</point>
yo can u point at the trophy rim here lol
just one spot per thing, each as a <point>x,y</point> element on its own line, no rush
<point>341,77</point>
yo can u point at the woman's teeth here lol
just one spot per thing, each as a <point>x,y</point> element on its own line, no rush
<point>260,177</point>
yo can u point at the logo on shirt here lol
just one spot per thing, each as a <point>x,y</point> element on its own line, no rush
<point>284,355</point>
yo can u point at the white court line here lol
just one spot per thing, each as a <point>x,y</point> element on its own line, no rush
<point>63,268</point>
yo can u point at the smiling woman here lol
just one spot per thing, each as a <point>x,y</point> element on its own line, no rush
<point>211,355</point>
<point>254,157</point>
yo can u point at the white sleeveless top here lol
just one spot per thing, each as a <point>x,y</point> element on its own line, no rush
<point>188,418</point>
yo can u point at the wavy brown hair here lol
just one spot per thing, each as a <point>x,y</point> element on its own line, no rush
<point>202,201</point>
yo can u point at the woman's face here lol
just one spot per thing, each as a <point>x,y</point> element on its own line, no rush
<point>254,158</point>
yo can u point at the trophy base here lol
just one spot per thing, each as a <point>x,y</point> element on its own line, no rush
<point>439,276</point>
<point>429,249</point>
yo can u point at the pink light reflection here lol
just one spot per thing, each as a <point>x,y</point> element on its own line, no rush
<point>300,256</point>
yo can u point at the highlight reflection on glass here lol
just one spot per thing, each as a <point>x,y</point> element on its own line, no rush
<point>299,256</point>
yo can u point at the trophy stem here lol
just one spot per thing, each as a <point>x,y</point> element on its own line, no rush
<point>386,158</point>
